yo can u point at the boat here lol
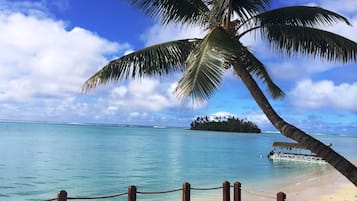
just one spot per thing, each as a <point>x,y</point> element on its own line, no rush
<point>289,151</point>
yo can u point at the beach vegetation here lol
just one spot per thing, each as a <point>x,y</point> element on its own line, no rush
<point>227,124</point>
<point>290,31</point>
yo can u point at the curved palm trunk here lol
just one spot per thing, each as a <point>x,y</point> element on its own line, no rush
<point>340,163</point>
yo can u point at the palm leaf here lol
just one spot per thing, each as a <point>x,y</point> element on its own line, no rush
<point>295,40</point>
<point>159,59</point>
<point>245,9</point>
<point>300,16</point>
<point>177,11</point>
<point>206,66</point>
<point>219,10</point>
<point>257,68</point>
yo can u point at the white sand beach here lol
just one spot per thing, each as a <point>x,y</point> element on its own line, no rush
<point>331,186</point>
<point>344,192</point>
<point>328,185</point>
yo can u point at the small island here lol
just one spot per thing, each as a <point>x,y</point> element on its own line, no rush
<point>228,124</point>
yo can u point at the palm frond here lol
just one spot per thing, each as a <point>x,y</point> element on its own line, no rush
<point>177,11</point>
<point>158,59</point>
<point>299,16</point>
<point>206,66</point>
<point>245,9</point>
<point>257,68</point>
<point>219,10</point>
<point>295,40</point>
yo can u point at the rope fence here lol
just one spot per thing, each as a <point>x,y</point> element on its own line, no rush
<point>207,189</point>
<point>61,193</point>
<point>159,192</point>
<point>186,193</point>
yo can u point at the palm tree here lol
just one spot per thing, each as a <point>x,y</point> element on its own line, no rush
<point>289,30</point>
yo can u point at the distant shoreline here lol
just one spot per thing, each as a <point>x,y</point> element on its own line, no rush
<point>87,124</point>
<point>151,126</point>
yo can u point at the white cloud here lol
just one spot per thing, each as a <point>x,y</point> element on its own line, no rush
<point>302,67</point>
<point>298,68</point>
<point>345,6</point>
<point>222,114</point>
<point>259,118</point>
<point>119,92</point>
<point>134,114</point>
<point>43,64</point>
<point>33,8</point>
<point>139,96</point>
<point>324,94</point>
<point>342,29</point>
<point>158,34</point>
<point>341,6</point>
<point>39,57</point>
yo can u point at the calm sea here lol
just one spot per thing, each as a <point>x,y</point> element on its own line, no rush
<point>38,160</point>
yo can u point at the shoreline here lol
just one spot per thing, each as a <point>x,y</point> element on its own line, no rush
<point>328,185</point>
<point>332,186</point>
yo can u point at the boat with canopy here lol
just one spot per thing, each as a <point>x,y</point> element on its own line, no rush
<point>290,151</point>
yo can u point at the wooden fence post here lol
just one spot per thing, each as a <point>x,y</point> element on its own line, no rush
<point>186,191</point>
<point>237,191</point>
<point>226,191</point>
<point>62,196</point>
<point>132,193</point>
<point>281,196</point>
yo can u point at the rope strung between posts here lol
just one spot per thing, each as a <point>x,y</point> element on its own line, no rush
<point>92,198</point>
<point>207,189</point>
<point>180,189</point>
<point>98,197</point>
<point>138,192</point>
<point>159,192</point>
<point>162,192</point>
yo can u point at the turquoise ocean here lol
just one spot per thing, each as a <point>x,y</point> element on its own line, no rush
<point>39,159</point>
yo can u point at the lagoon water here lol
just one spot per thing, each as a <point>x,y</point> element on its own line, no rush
<point>37,160</point>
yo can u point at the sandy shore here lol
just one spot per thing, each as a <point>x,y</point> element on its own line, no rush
<point>320,184</point>
<point>328,185</point>
<point>344,192</point>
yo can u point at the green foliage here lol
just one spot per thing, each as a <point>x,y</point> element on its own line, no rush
<point>228,124</point>
<point>299,16</point>
<point>292,31</point>
<point>177,11</point>
<point>257,68</point>
<point>206,66</point>
<point>161,59</point>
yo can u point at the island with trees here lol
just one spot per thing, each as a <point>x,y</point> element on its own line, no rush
<point>228,124</point>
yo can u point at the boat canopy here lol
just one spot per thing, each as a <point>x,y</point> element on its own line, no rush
<point>288,145</point>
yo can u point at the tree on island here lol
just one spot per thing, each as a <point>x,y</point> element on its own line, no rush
<point>228,124</point>
<point>290,30</point>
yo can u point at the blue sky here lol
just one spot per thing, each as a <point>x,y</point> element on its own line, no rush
<point>50,47</point>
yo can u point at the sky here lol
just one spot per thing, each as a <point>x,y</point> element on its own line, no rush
<point>49,48</point>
